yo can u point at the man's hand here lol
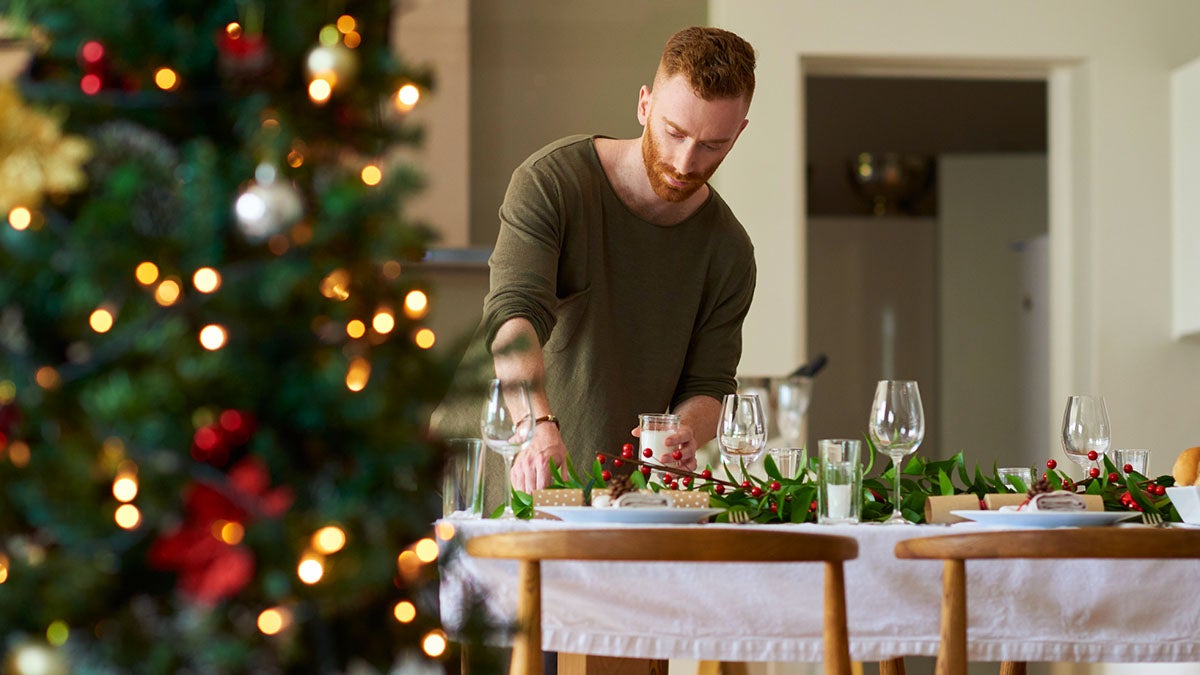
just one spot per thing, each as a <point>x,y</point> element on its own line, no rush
<point>681,442</point>
<point>531,468</point>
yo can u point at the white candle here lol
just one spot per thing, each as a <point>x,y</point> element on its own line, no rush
<point>839,501</point>
<point>656,440</point>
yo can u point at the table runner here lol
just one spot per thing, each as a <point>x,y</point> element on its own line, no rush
<point>1018,610</point>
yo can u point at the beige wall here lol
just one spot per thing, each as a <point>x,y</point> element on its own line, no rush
<point>1108,63</point>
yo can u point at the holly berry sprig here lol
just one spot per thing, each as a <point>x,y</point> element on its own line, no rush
<point>1140,493</point>
<point>675,477</point>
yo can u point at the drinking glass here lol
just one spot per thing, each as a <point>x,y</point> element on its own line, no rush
<point>897,428</point>
<point>507,426</point>
<point>1084,429</point>
<point>792,395</point>
<point>1137,459</point>
<point>742,430</point>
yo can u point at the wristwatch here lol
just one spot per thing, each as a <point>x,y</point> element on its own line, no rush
<point>548,418</point>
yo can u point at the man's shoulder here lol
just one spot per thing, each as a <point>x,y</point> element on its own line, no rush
<point>569,148</point>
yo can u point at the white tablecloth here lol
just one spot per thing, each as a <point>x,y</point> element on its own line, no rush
<point>1040,610</point>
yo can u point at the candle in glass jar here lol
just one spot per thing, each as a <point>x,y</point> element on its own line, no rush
<point>839,501</point>
<point>656,440</point>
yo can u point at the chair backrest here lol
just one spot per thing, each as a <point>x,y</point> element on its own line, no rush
<point>693,544</point>
<point>1096,542</point>
<point>1089,542</point>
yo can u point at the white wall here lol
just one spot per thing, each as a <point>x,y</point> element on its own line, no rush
<point>1108,63</point>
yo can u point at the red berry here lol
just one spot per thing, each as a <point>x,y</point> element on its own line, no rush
<point>687,481</point>
<point>756,491</point>
<point>719,489</point>
<point>776,486</point>
<point>1051,464</point>
<point>617,462</point>
<point>627,446</point>
<point>1094,471</point>
<point>1093,455</point>
<point>601,458</point>
<point>606,475</point>
<point>1128,468</point>
<point>647,452</point>
<point>1114,477</point>
<point>677,455</point>
<point>627,451</point>
<point>774,507</point>
<point>646,471</point>
<point>706,474</point>
<point>1160,490</point>
<point>813,505</point>
<point>745,483</point>
<point>674,485</point>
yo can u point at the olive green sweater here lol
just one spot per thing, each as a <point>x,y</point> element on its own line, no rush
<point>633,317</point>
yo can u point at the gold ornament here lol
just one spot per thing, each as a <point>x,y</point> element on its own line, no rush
<point>36,159</point>
<point>35,658</point>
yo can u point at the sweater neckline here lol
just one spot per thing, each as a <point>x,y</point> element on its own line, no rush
<point>612,191</point>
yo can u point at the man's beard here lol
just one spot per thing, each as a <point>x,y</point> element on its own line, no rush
<point>656,168</point>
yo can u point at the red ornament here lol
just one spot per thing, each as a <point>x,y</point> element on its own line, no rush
<point>1051,464</point>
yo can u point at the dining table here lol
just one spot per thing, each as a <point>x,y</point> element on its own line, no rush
<point>1018,610</point>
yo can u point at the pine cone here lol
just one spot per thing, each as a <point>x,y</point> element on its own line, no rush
<point>1039,486</point>
<point>620,485</point>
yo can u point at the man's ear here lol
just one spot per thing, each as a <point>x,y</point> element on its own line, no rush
<point>643,105</point>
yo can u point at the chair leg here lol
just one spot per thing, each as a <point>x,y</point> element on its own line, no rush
<point>952,656</point>
<point>892,666</point>
<point>527,644</point>
<point>1012,668</point>
<point>837,641</point>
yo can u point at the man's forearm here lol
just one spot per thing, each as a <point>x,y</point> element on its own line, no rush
<point>701,413</point>
<point>517,355</point>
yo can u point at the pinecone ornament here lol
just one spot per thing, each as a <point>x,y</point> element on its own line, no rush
<point>1039,486</point>
<point>620,485</point>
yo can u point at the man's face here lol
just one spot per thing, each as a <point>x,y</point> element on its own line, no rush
<point>686,137</point>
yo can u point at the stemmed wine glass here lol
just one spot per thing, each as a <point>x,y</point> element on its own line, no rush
<point>792,395</point>
<point>1085,428</point>
<point>742,429</point>
<point>897,427</point>
<point>507,426</point>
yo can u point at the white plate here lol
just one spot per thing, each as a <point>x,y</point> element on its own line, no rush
<point>1046,518</point>
<point>591,514</point>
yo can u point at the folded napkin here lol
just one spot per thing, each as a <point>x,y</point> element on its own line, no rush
<point>635,500</point>
<point>1059,500</point>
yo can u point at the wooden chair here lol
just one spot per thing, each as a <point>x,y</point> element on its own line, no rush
<point>1097,542</point>
<point>668,544</point>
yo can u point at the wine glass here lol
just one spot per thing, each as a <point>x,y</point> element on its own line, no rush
<point>792,395</point>
<point>507,426</point>
<point>897,427</point>
<point>1085,428</point>
<point>742,429</point>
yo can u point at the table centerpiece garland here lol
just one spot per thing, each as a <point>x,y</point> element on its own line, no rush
<point>775,498</point>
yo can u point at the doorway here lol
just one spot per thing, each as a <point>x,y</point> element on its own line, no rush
<point>942,283</point>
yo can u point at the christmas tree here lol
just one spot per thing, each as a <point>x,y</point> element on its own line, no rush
<point>214,374</point>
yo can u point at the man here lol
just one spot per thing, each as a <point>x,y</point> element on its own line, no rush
<point>620,279</point>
